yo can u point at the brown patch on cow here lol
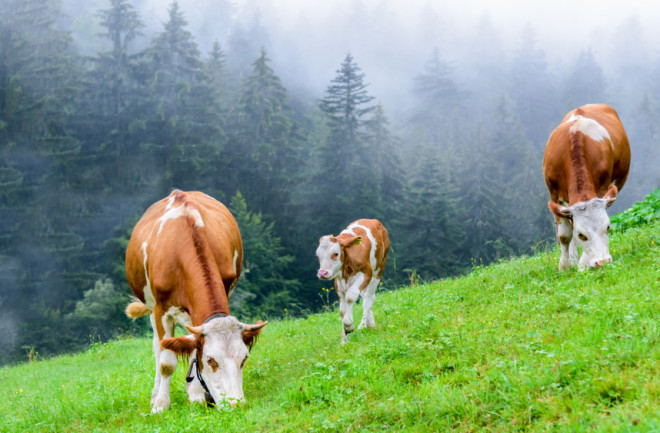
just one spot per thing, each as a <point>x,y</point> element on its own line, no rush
<point>564,240</point>
<point>182,346</point>
<point>166,369</point>
<point>583,183</point>
<point>199,241</point>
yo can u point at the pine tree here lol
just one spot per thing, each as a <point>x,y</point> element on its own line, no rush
<point>532,89</point>
<point>41,247</point>
<point>439,95</point>
<point>343,171</point>
<point>585,83</point>
<point>482,205</point>
<point>181,129</point>
<point>430,231</point>
<point>266,147</point>
<point>112,75</point>
<point>264,290</point>
<point>517,161</point>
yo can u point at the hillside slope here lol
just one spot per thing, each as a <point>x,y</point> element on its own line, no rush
<point>510,347</point>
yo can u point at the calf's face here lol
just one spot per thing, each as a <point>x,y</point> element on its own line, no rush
<point>330,253</point>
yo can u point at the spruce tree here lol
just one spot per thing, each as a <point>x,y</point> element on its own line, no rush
<point>264,289</point>
<point>343,171</point>
<point>266,144</point>
<point>585,83</point>
<point>180,129</point>
<point>532,89</point>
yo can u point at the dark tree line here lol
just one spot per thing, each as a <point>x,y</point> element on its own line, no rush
<point>87,143</point>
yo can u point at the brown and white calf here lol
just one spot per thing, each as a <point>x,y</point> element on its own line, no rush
<point>586,163</point>
<point>183,260</point>
<point>356,260</point>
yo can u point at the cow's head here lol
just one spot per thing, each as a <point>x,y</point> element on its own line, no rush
<point>591,227</point>
<point>222,346</point>
<point>331,254</point>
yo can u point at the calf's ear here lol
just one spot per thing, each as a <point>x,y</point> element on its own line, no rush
<point>347,241</point>
<point>182,346</point>
<point>559,210</point>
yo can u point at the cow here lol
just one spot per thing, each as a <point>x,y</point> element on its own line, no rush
<point>183,260</point>
<point>585,164</point>
<point>356,260</point>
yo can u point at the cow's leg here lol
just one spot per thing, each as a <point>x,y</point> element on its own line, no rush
<point>567,244</point>
<point>156,348</point>
<point>167,362</point>
<point>194,388</point>
<point>368,298</point>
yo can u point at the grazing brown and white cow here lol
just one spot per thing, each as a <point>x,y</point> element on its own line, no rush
<point>183,260</point>
<point>586,163</point>
<point>356,260</point>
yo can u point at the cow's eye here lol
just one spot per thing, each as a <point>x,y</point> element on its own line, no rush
<point>334,256</point>
<point>608,228</point>
<point>212,363</point>
<point>244,359</point>
<point>581,236</point>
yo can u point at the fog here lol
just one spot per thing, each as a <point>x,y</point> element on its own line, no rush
<point>455,172</point>
<point>391,40</point>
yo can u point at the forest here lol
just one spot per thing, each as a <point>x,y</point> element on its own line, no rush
<point>96,126</point>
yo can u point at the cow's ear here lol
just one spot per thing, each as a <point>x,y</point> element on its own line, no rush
<point>610,195</point>
<point>251,332</point>
<point>182,346</point>
<point>559,210</point>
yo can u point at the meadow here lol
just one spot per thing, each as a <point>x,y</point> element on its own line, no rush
<point>514,346</point>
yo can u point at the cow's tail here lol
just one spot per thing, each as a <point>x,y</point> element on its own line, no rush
<point>136,309</point>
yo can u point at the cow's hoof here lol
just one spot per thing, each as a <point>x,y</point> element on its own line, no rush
<point>564,265</point>
<point>160,405</point>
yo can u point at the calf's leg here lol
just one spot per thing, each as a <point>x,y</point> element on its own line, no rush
<point>368,298</point>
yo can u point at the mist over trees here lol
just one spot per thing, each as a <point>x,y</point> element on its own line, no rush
<point>104,110</point>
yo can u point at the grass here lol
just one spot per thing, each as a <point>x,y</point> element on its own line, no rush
<point>510,347</point>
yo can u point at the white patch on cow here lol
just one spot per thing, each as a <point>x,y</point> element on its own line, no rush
<point>589,127</point>
<point>198,217</point>
<point>178,315</point>
<point>170,214</point>
<point>223,343</point>
<point>372,253</point>
<point>235,260</point>
<point>149,299</point>
<point>170,202</point>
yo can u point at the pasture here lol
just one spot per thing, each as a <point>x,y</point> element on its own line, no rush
<point>515,346</point>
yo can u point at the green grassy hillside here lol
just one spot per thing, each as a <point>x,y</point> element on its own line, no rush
<point>510,347</point>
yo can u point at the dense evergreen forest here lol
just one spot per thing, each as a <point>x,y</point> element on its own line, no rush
<point>89,141</point>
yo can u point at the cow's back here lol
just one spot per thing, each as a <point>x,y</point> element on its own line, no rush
<point>169,238</point>
<point>375,233</point>
<point>603,161</point>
